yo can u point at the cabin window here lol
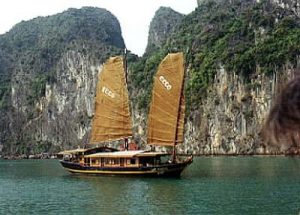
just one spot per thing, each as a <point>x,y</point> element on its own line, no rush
<point>107,161</point>
<point>87,160</point>
<point>132,161</point>
<point>95,161</point>
<point>122,161</point>
<point>146,161</point>
<point>157,161</point>
<point>115,161</point>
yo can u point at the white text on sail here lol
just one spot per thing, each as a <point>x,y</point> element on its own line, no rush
<point>165,83</point>
<point>108,92</point>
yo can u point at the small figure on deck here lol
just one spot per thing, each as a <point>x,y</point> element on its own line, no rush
<point>133,146</point>
<point>152,149</point>
<point>129,145</point>
<point>126,144</point>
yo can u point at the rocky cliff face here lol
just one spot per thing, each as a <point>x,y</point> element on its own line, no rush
<point>233,73</point>
<point>232,115</point>
<point>48,87</point>
<point>230,118</point>
<point>163,23</point>
<point>293,5</point>
<point>237,59</point>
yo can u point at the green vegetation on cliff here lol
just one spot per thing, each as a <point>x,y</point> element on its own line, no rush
<point>162,25</point>
<point>33,54</point>
<point>241,37</point>
<point>34,47</point>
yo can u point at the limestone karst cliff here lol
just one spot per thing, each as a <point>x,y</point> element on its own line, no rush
<point>163,23</point>
<point>293,5</point>
<point>238,55</point>
<point>49,68</point>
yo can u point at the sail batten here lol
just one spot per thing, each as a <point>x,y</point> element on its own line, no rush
<point>109,117</point>
<point>166,112</point>
<point>166,115</point>
<point>115,127</point>
<point>112,117</point>
<point>111,104</point>
<point>166,104</point>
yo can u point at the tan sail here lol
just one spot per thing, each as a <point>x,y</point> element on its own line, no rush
<point>112,117</point>
<point>166,116</point>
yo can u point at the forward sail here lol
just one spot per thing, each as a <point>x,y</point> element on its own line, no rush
<point>167,108</point>
<point>112,119</point>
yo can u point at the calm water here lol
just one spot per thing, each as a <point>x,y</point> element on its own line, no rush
<point>211,185</point>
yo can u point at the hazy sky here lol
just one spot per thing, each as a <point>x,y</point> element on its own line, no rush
<point>133,15</point>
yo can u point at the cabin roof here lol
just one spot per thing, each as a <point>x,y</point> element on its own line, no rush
<point>126,154</point>
<point>86,150</point>
<point>151,154</point>
<point>73,151</point>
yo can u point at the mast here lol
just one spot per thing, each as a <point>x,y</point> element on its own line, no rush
<point>126,83</point>
<point>125,66</point>
<point>178,116</point>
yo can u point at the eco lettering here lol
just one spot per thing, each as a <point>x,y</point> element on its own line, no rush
<point>108,92</point>
<point>165,83</point>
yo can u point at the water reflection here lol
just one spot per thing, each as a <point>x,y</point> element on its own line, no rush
<point>239,166</point>
<point>128,195</point>
<point>211,185</point>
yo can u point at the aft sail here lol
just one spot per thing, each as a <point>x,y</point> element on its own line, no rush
<point>112,119</point>
<point>167,108</point>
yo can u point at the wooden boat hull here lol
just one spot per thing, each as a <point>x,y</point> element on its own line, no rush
<point>164,170</point>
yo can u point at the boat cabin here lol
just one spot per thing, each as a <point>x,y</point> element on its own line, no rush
<point>77,155</point>
<point>136,158</point>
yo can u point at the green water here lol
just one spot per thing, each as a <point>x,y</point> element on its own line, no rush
<point>211,185</point>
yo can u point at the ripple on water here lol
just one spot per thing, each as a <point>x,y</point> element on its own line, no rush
<point>211,185</point>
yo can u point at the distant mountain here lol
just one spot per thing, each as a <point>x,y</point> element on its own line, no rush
<point>48,74</point>
<point>48,37</point>
<point>238,55</point>
<point>163,23</point>
<point>292,5</point>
